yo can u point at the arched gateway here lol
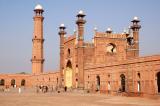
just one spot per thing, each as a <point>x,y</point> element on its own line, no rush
<point>68,74</point>
<point>158,81</point>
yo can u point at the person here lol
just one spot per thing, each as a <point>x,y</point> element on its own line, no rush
<point>46,88</point>
<point>52,89</point>
<point>109,88</point>
<point>65,88</point>
<point>19,90</point>
<point>37,89</point>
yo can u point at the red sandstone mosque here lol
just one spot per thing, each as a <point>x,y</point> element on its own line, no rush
<point>109,63</point>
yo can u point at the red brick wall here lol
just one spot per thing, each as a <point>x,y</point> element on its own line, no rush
<point>146,66</point>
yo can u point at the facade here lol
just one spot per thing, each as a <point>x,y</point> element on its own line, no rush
<point>109,64</point>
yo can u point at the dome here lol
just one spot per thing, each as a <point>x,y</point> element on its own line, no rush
<point>135,18</point>
<point>74,30</point>
<point>81,12</point>
<point>95,28</point>
<point>109,29</point>
<point>62,25</point>
<point>38,7</point>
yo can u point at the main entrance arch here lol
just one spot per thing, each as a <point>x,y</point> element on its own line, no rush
<point>158,81</point>
<point>68,74</point>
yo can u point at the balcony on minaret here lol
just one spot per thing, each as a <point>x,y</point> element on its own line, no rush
<point>38,39</point>
<point>34,59</point>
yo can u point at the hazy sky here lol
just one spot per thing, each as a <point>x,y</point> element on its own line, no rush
<point>16,27</point>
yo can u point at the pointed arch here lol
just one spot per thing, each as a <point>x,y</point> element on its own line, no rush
<point>158,81</point>
<point>122,76</point>
<point>13,82</point>
<point>2,82</point>
<point>98,82</point>
<point>69,64</point>
<point>68,74</point>
<point>23,82</point>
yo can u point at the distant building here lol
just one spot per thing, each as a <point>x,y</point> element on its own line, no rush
<point>108,64</point>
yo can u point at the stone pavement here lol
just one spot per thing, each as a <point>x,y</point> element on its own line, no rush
<point>71,99</point>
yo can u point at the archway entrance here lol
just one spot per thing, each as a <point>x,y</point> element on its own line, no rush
<point>158,81</point>
<point>98,82</point>
<point>23,82</point>
<point>139,86</point>
<point>122,82</point>
<point>13,82</point>
<point>68,75</point>
<point>2,82</point>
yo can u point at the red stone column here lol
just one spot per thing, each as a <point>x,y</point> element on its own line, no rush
<point>37,48</point>
<point>80,48</point>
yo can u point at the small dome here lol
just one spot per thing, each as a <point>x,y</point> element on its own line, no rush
<point>38,7</point>
<point>109,29</point>
<point>62,25</point>
<point>74,30</point>
<point>81,12</point>
<point>135,18</point>
<point>124,30</point>
<point>95,28</point>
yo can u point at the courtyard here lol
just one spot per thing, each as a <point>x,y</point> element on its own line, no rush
<point>31,98</point>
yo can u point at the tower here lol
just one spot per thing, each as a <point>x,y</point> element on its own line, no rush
<point>62,33</point>
<point>133,51</point>
<point>37,48</point>
<point>135,28</point>
<point>80,48</point>
<point>133,39</point>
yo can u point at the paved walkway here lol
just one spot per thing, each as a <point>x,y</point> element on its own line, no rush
<point>71,99</point>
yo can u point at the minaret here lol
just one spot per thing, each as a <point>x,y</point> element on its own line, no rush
<point>37,48</point>
<point>62,33</point>
<point>135,28</point>
<point>133,52</point>
<point>80,48</point>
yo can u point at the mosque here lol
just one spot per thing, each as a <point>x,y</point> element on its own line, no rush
<point>108,64</point>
